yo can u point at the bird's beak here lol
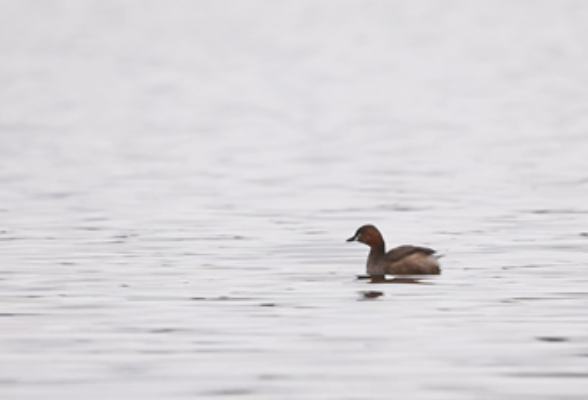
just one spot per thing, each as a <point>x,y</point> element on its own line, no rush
<point>352,239</point>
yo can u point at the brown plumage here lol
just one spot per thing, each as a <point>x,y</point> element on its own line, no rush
<point>402,260</point>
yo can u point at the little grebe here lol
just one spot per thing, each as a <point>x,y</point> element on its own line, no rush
<point>402,260</point>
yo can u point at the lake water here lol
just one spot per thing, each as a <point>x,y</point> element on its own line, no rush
<point>178,179</point>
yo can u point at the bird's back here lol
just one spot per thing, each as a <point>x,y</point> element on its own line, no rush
<point>411,260</point>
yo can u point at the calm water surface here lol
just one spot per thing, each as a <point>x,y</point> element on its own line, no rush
<point>178,179</point>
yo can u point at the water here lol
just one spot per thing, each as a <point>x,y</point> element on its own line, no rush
<point>178,180</point>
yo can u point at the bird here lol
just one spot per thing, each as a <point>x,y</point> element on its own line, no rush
<point>402,260</point>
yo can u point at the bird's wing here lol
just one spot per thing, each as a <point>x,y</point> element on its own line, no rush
<point>400,252</point>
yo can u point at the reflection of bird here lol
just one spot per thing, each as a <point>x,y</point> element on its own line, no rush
<point>403,260</point>
<point>371,294</point>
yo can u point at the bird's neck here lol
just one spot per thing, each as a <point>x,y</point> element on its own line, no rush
<point>374,266</point>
